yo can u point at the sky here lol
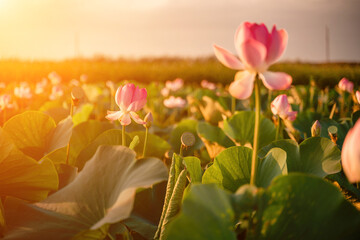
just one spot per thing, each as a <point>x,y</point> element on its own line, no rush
<point>60,29</point>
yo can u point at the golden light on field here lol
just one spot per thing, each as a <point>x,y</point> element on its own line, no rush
<point>52,29</point>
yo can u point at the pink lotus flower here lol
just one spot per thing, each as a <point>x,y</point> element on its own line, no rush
<point>56,92</point>
<point>174,102</point>
<point>40,86</point>
<point>175,85</point>
<point>208,85</point>
<point>54,78</point>
<point>346,85</point>
<point>74,82</point>
<point>357,94</point>
<point>257,50</point>
<point>281,107</point>
<point>83,78</point>
<point>23,91</point>
<point>130,99</point>
<point>5,102</point>
<point>165,92</point>
<point>350,154</point>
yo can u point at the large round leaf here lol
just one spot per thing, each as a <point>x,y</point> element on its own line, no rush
<point>102,193</point>
<point>30,131</point>
<point>22,176</point>
<point>83,134</point>
<point>231,168</point>
<point>316,155</point>
<point>109,137</point>
<point>206,213</point>
<point>241,128</point>
<point>300,206</point>
<point>214,134</point>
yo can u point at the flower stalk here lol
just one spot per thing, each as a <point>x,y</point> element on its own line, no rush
<point>123,139</point>
<point>256,132</point>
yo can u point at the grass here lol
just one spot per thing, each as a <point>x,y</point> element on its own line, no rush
<point>162,69</point>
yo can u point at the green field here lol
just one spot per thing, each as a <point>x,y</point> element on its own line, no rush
<point>162,69</point>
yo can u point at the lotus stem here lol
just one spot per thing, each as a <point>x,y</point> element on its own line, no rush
<point>332,111</point>
<point>145,141</point>
<point>256,132</point>
<point>278,129</point>
<point>123,139</point>
<point>233,105</point>
<point>68,145</point>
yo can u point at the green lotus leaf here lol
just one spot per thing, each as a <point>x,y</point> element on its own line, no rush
<point>102,193</point>
<point>83,134</point>
<point>61,135</point>
<point>231,168</point>
<point>109,137</point>
<point>30,132</point>
<point>273,165</point>
<point>193,165</point>
<point>23,177</point>
<point>83,113</point>
<point>156,146</point>
<point>214,134</point>
<point>240,127</point>
<point>206,213</point>
<point>300,206</point>
<point>316,155</point>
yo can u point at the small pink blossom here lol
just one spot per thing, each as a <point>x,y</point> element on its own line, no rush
<point>74,82</point>
<point>174,102</point>
<point>281,107</point>
<point>40,86</point>
<point>209,85</point>
<point>257,49</point>
<point>5,102</point>
<point>346,85</point>
<point>56,92</point>
<point>130,99</point>
<point>175,85</point>
<point>23,91</point>
<point>54,78</point>
<point>165,92</point>
<point>350,154</point>
<point>83,78</point>
<point>2,85</point>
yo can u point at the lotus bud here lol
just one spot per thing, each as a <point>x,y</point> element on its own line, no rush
<point>350,154</point>
<point>357,94</point>
<point>346,85</point>
<point>148,120</point>
<point>316,129</point>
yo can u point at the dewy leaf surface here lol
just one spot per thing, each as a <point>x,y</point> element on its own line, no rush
<point>102,193</point>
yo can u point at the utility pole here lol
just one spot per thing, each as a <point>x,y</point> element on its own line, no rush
<point>327,44</point>
<point>76,46</point>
